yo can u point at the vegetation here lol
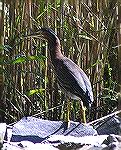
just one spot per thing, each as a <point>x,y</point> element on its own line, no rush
<point>90,35</point>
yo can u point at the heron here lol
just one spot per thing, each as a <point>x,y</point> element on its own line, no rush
<point>71,78</point>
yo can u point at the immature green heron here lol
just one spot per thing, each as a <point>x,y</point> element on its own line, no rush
<point>72,80</point>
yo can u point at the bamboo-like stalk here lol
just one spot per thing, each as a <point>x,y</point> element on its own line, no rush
<point>1,56</point>
<point>119,46</point>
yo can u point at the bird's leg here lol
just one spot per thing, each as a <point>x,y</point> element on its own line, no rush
<point>68,111</point>
<point>83,112</point>
<point>67,120</point>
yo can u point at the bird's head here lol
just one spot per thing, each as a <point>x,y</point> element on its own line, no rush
<point>52,39</point>
<point>45,33</point>
<point>48,33</point>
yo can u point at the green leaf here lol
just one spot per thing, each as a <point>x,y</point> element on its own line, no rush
<point>19,60</point>
<point>40,57</point>
<point>35,91</point>
<point>22,59</point>
<point>1,48</point>
<point>34,57</point>
<point>31,57</point>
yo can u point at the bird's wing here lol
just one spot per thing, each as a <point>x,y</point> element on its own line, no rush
<point>74,80</point>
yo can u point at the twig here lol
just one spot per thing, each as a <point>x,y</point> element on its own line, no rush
<point>105,117</point>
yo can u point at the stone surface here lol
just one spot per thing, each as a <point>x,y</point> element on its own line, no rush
<point>32,133</point>
<point>38,130</point>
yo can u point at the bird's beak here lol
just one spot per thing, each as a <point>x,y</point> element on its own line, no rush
<point>37,34</point>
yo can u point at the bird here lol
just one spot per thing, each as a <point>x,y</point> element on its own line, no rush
<point>71,78</point>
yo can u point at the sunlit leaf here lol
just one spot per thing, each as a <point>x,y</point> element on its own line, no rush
<point>19,60</point>
<point>35,91</point>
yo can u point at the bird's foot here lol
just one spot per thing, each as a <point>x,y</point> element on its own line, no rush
<point>67,124</point>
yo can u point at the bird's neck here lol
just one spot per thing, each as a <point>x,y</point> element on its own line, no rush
<point>55,50</point>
